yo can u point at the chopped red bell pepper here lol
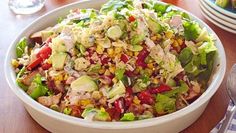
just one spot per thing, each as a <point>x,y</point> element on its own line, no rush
<point>160,89</point>
<point>44,52</point>
<point>34,63</point>
<point>46,66</point>
<point>146,98</point>
<point>124,58</point>
<point>131,18</point>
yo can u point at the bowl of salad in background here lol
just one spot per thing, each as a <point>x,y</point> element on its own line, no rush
<point>133,66</point>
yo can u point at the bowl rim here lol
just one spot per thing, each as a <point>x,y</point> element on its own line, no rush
<point>212,88</point>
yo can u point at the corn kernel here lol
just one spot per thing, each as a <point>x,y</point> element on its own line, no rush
<point>112,69</point>
<point>99,49</point>
<point>180,41</point>
<point>114,80</point>
<point>136,53</point>
<point>57,82</point>
<point>66,76</point>
<point>155,81</point>
<point>136,100</point>
<point>169,34</point>
<point>58,77</point>
<point>175,44</point>
<point>85,102</point>
<point>118,50</point>
<point>101,71</point>
<point>96,95</point>
<point>158,36</point>
<point>14,63</point>
<point>110,52</point>
<point>102,109</point>
<point>154,38</point>
<point>129,53</point>
<point>107,73</point>
<point>150,65</point>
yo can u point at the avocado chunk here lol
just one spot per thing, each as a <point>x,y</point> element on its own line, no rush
<point>153,25</point>
<point>136,39</point>
<point>114,32</point>
<point>58,60</point>
<point>117,89</point>
<point>84,83</point>
<point>58,45</point>
<point>222,3</point>
<point>45,34</point>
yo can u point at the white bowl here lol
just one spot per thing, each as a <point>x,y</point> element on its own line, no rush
<point>58,122</point>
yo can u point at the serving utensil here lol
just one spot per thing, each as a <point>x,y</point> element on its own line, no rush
<point>231,89</point>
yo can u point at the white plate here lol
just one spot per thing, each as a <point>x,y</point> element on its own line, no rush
<point>221,10</point>
<point>217,23</point>
<point>218,14</point>
<point>230,25</point>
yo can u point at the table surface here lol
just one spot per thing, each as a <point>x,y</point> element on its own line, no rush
<point>13,116</point>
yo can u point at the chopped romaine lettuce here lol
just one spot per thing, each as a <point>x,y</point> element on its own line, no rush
<point>204,49</point>
<point>185,56</point>
<point>116,5</point>
<point>20,47</point>
<point>128,117</point>
<point>183,88</point>
<point>37,88</point>
<point>191,30</point>
<point>160,8</point>
<point>119,73</point>
<point>164,104</point>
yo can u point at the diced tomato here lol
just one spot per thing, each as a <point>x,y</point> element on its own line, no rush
<point>35,63</point>
<point>46,66</point>
<point>128,101</point>
<point>160,89</point>
<point>124,58</point>
<point>141,58</point>
<point>146,98</point>
<point>131,18</point>
<point>129,91</point>
<point>76,111</point>
<point>44,52</point>
<point>114,114</point>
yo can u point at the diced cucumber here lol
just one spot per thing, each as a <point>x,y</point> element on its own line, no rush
<point>84,83</point>
<point>114,32</point>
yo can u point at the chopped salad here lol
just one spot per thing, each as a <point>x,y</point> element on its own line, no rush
<point>131,60</point>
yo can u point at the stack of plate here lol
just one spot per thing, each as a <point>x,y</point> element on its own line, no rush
<point>223,18</point>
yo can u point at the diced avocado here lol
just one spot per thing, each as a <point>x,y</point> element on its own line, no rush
<point>171,82</point>
<point>203,36</point>
<point>114,32</point>
<point>58,45</point>
<point>222,3</point>
<point>135,48</point>
<point>128,117</point>
<point>117,89</point>
<point>58,60</point>
<point>153,25</point>
<point>45,34</point>
<point>102,116</point>
<point>136,39</point>
<point>84,83</point>
<point>88,111</point>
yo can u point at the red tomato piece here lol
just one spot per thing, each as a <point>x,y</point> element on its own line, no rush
<point>146,98</point>
<point>124,58</point>
<point>46,66</point>
<point>132,18</point>
<point>35,63</point>
<point>160,89</point>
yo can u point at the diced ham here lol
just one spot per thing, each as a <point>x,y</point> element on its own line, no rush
<point>49,100</point>
<point>29,78</point>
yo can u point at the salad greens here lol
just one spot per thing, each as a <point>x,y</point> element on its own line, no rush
<point>131,60</point>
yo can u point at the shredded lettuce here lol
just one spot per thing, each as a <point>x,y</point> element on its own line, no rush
<point>116,5</point>
<point>20,47</point>
<point>185,56</point>
<point>183,88</point>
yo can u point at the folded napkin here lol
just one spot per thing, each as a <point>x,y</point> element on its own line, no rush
<point>232,126</point>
